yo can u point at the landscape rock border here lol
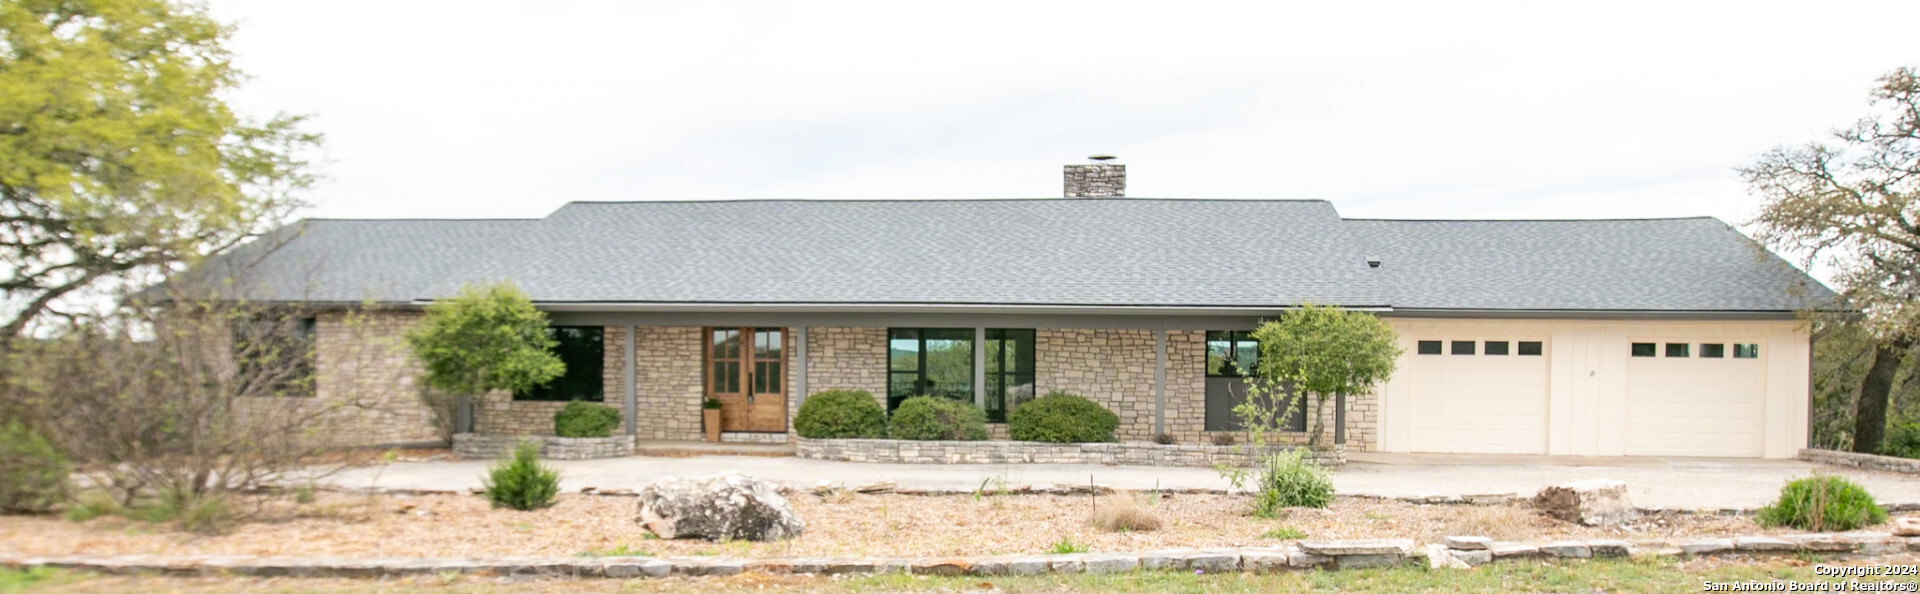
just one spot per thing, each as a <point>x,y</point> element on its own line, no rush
<point>1000,451</point>
<point>1331,555</point>
<point>1863,461</point>
<point>476,446</point>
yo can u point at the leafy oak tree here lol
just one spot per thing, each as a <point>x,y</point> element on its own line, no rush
<point>1852,204</point>
<point>1322,352</point>
<point>120,159</point>
<point>486,338</point>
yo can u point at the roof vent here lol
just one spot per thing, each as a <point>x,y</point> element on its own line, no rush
<point>1100,178</point>
<point>1373,262</point>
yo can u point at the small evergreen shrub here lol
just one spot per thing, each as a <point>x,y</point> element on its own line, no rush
<point>1290,480</point>
<point>33,475</point>
<point>521,482</point>
<point>840,414</point>
<point>932,418</point>
<point>1903,440</point>
<point>1822,504</point>
<point>1060,417</point>
<point>586,419</point>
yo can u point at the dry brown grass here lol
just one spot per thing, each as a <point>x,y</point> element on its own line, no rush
<point>1122,514</point>
<point>355,525</point>
<point>1499,522</point>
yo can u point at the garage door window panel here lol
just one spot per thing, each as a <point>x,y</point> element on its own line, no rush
<point>1746,351</point>
<point>1529,348</point>
<point>1679,349</point>
<point>1710,350</point>
<point>1429,347</point>
<point>1497,347</point>
<point>1463,347</point>
<point>1645,349</point>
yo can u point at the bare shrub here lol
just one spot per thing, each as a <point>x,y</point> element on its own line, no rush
<point>171,406</point>
<point>1122,514</point>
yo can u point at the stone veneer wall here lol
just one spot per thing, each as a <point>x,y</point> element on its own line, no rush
<point>669,368</point>
<point>903,451</point>
<point>1111,367</point>
<point>365,374</point>
<point>506,416</point>
<point>1187,386</point>
<point>845,359</point>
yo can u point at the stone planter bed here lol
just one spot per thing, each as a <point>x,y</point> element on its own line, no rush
<point>1455,553</point>
<point>362,525</point>
<point>903,451</point>
<point>1863,461</point>
<point>470,445</point>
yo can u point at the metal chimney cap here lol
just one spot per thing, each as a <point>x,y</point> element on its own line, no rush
<point>1099,158</point>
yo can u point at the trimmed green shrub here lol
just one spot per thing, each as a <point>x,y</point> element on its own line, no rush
<point>33,475</point>
<point>931,418</point>
<point>1290,479</point>
<point>840,414</point>
<point>1903,440</point>
<point>586,419</point>
<point>521,482</point>
<point>1060,417</point>
<point>1822,504</point>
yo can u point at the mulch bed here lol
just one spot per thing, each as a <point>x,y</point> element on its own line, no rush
<point>445,525</point>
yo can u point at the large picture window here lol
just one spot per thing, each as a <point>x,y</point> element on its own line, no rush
<point>581,349</point>
<point>930,362</point>
<point>1009,371</point>
<point>1231,353</point>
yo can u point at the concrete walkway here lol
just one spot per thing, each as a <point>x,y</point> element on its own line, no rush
<point>1694,483</point>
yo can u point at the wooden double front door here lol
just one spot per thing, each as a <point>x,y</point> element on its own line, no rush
<point>747,373</point>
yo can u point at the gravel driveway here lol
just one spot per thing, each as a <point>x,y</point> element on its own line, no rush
<point>1653,482</point>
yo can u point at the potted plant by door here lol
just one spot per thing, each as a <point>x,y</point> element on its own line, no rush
<point>710,415</point>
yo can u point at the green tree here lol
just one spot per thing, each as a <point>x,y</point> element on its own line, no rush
<point>1316,351</point>
<point>486,338</point>
<point>1853,204</point>
<point>120,158</point>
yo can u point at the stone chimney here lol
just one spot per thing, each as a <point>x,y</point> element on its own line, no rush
<point>1101,178</point>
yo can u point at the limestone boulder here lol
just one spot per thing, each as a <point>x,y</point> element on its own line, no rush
<point>1906,526</point>
<point>716,507</point>
<point>1591,502</point>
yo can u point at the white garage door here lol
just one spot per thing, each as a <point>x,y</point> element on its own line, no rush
<point>1479,403</point>
<point>1684,404</point>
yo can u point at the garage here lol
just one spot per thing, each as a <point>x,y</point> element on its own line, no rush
<point>1696,399</point>
<point>1483,396</point>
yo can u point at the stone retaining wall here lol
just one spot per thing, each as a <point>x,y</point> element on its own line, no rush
<point>468,445</point>
<point>1857,460</point>
<point>903,451</point>
<point>1457,552</point>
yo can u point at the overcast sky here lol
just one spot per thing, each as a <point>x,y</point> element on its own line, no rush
<point>1398,110</point>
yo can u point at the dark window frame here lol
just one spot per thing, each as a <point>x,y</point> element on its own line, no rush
<point>1505,348</point>
<point>1462,345</point>
<point>1684,348</point>
<point>585,378</point>
<point>1538,348</point>
<point>1713,350</point>
<point>1652,349</point>
<point>1230,366</point>
<point>1746,350</point>
<point>1439,347</point>
<point>920,338</point>
<point>999,383</point>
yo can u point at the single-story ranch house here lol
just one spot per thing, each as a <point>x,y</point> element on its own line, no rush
<point>1669,337</point>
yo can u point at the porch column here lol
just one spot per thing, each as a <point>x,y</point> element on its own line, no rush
<point>980,367</point>
<point>633,389</point>
<point>1160,379</point>
<point>800,371</point>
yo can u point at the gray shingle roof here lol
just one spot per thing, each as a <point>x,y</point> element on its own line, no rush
<point>335,260</point>
<point>1079,252</point>
<point>1692,264</point>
